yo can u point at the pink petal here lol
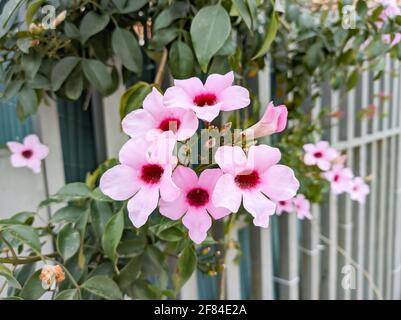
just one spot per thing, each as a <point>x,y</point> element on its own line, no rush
<point>233,98</point>
<point>174,209</point>
<point>208,179</point>
<point>226,194</point>
<point>198,222</point>
<point>17,160</point>
<point>192,86</point>
<point>185,178</point>
<point>120,182</point>
<point>309,159</point>
<point>168,190</point>
<point>176,97</point>
<point>207,113</point>
<point>217,213</point>
<point>324,165</point>
<point>40,151</point>
<point>279,183</point>
<point>231,159</point>
<point>189,125</point>
<point>31,141</point>
<point>262,157</point>
<point>309,148</point>
<point>259,207</point>
<point>217,82</point>
<point>153,103</point>
<point>35,165</point>
<point>15,146</point>
<point>322,145</point>
<point>137,123</point>
<point>134,153</point>
<point>162,149</point>
<point>142,205</point>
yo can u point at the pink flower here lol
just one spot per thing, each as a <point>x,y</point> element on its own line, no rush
<point>320,154</point>
<point>391,9</point>
<point>387,38</point>
<point>340,179</point>
<point>273,120</point>
<point>155,118</point>
<point>194,204</point>
<point>140,177</point>
<point>359,190</point>
<point>29,154</point>
<point>253,179</point>
<point>302,207</point>
<point>207,100</point>
<point>284,206</point>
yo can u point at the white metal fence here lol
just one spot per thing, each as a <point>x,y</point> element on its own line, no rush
<point>348,251</point>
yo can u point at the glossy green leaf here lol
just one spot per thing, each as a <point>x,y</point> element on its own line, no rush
<point>26,235</point>
<point>126,47</point>
<point>69,294</point>
<point>243,10</point>
<point>112,235</point>
<point>176,11</point>
<point>8,14</point>
<point>271,32</point>
<point>68,241</point>
<point>91,24</point>
<point>127,6</point>
<point>103,287</point>
<point>31,63</point>
<point>133,97</point>
<point>28,101</point>
<point>181,60</point>
<point>74,85</point>
<point>62,70</point>
<point>209,30</point>
<point>97,74</point>
<point>8,275</point>
<point>186,265</point>
<point>69,214</point>
<point>32,289</point>
<point>32,9</point>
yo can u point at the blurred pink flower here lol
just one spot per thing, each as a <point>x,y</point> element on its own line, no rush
<point>391,9</point>
<point>302,207</point>
<point>155,118</point>
<point>194,204</point>
<point>141,176</point>
<point>256,179</point>
<point>29,154</point>
<point>207,100</point>
<point>359,190</point>
<point>273,120</point>
<point>284,206</point>
<point>320,154</point>
<point>340,179</point>
<point>389,39</point>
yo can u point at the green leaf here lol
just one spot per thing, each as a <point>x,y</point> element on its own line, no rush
<point>176,11</point>
<point>32,289</point>
<point>31,11</point>
<point>7,273</point>
<point>31,63</point>
<point>353,79</point>
<point>8,14</point>
<point>91,24</point>
<point>62,70</point>
<point>100,215</point>
<point>361,8</point>
<point>186,265</point>
<point>112,235</point>
<point>127,6</point>
<point>25,234</point>
<point>271,32</point>
<point>132,98</point>
<point>71,30</point>
<point>243,11</point>
<point>68,214</point>
<point>181,60</point>
<point>12,89</point>
<point>209,30</point>
<point>129,273</point>
<point>172,234</point>
<point>68,241</point>
<point>163,37</point>
<point>69,294</point>
<point>28,101</point>
<point>126,47</point>
<point>98,195</point>
<point>74,85</point>
<point>97,74</point>
<point>103,287</point>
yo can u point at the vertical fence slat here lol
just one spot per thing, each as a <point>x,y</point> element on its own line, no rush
<point>233,282</point>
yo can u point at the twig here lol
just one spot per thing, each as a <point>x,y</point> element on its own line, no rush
<point>26,260</point>
<point>161,68</point>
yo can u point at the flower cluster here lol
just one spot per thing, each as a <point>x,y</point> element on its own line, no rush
<point>51,275</point>
<point>150,176</point>
<point>331,163</point>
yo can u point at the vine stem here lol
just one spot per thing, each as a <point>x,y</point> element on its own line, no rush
<point>161,68</point>
<point>26,260</point>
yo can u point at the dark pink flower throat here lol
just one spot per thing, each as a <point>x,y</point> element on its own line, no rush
<point>205,99</point>
<point>318,154</point>
<point>27,154</point>
<point>172,124</point>
<point>247,181</point>
<point>152,173</point>
<point>197,197</point>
